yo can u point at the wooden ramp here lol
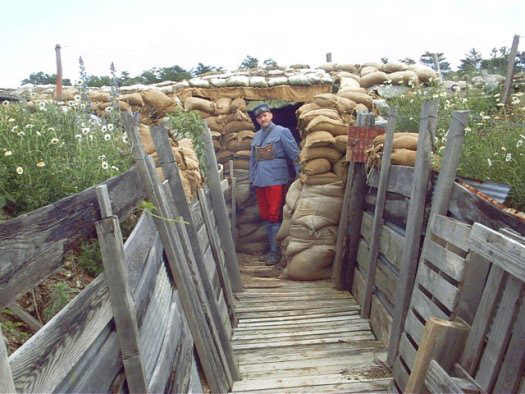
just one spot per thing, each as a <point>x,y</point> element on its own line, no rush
<point>303,337</point>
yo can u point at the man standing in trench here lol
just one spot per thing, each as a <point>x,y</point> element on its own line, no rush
<point>272,147</point>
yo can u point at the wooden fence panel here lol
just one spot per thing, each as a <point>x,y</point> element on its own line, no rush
<point>34,245</point>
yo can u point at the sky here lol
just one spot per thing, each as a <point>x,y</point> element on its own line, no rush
<point>139,35</point>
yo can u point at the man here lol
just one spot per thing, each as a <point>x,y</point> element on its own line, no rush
<point>271,149</point>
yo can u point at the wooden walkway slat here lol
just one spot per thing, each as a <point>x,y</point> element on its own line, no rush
<point>303,337</point>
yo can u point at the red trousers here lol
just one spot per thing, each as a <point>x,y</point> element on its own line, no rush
<point>271,200</point>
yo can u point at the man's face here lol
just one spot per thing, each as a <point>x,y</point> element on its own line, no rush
<point>264,119</point>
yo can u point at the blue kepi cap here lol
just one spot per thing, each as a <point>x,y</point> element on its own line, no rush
<point>261,108</point>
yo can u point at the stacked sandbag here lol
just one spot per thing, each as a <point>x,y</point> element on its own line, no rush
<point>309,248</point>
<point>403,150</point>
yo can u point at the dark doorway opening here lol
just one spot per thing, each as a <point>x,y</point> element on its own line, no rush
<point>284,116</point>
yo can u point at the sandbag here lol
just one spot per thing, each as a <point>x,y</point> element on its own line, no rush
<point>302,238</point>
<point>242,154</point>
<point>351,68</point>
<point>277,81</point>
<point>341,142</point>
<point>245,135</point>
<point>284,230</point>
<point>403,157</point>
<point>348,83</point>
<point>236,126</point>
<point>157,99</point>
<point>323,123</point>
<point>320,179</point>
<point>403,78</point>
<point>240,164</point>
<point>146,139</point>
<point>341,170</point>
<point>258,82</point>
<point>318,139</point>
<point>216,122</point>
<point>199,83</point>
<point>238,116</point>
<point>99,96</point>
<point>330,100</point>
<point>359,98</point>
<point>249,215</point>
<point>314,263</point>
<point>306,107</point>
<point>132,99</point>
<point>316,166</point>
<point>361,109</point>
<point>380,139</point>
<point>238,104</point>
<point>224,156</point>
<point>425,74</point>
<point>204,105</point>
<point>235,145</point>
<point>375,78</point>
<point>252,248</point>
<point>259,235</point>
<point>392,67</point>
<point>331,154</point>
<point>298,80</point>
<point>293,195</point>
<point>238,80</point>
<point>218,82</point>
<point>222,105</point>
<point>352,90</point>
<point>368,70</point>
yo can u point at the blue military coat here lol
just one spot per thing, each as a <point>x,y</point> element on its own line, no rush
<point>275,171</point>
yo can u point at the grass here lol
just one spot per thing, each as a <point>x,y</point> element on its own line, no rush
<point>51,151</point>
<point>494,147</point>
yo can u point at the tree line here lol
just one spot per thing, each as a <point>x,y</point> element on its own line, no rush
<point>472,63</point>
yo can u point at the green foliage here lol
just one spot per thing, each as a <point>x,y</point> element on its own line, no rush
<point>494,147</point>
<point>60,295</point>
<point>384,60</point>
<point>52,150</point>
<point>250,62</point>
<point>190,125</point>
<point>203,69</point>
<point>11,328</point>
<point>408,61</point>
<point>270,63</point>
<point>471,63</point>
<point>41,78</point>
<point>427,59</point>
<point>89,258</point>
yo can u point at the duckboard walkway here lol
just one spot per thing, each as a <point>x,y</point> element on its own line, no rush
<point>303,337</point>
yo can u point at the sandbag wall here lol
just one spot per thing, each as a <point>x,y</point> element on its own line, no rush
<point>232,132</point>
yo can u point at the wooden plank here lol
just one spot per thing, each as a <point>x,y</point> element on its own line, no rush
<point>501,250</point>
<point>378,212</point>
<point>344,309</point>
<point>438,380</point>
<point>386,282</point>
<point>507,87</point>
<point>444,260</point>
<point>358,287</point>
<point>380,320</point>
<point>425,307</point>
<point>442,341</point>
<point>124,314</point>
<point>414,327</point>
<point>233,203</point>
<point>273,324</point>
<point>400,375</point>
<point>499,334</point>
<point>439,287</point>
<point>475,341</point>
<point>407,351</point>
<point>27,318</point>
<point>33,245</point>
<point>7,385</point>
<point>219,209</point>
<point>287,307</point>
<point>356,204</point>
<point>513,364</point>
<point>374,386</point>
<point>216,374</point>
<point>343,297</point>
<point>452,231</point>
<point>400,180</point>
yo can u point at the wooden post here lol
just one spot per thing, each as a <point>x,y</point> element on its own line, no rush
<point>329,57</point>
<point>219,207</point>
<point>378,212</point>
<point>176,191</point>
<point>124,313</point>
<point>58,85</point>
<point>7,385</point>
<point>233,204</point>
<point>416,213</point>
<point>212,366</point>
<point>507,87</point>
<point>442,341</point>
<point>436,64</point>
<point>357,178</point>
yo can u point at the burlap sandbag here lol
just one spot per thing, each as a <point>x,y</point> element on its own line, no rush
<point>236,126</point>
<point>403,78</point>
<point>121,105</point>
<point>199,103</point>
<point>319,205</point>
<point>404,157</point>
<point>330,100</point>
<point>202,114</point>
<point>323,123</point>
<point>245,135</point>
<point>341,142</point>
<point>367,70</point>
<point>224,156</point>
<point>314,263</point>
<point>235,145</point>
<point>351,68</point>
<point>361,109</point>
<point>215,135</point>
<point>318,139</point>
<point>146,139</point>
<point>341,169</point>
<point>352,90</point>
<point>222,105</point>
<point>99,96</point>
<point>306,107</point>
<point>216,123</point>
<point>316,166</point>
<point>329,154</point>
<point>392,67</point>
<point>227,138</point>
<point>238,116</point>
<point>240,164</point>
<point>348,83</point>
<point>244,229</point>
<point>259,235</point>
<point>375,78</point>
<point>238,104</point>
<point>301,238</point>
<point>284,230</point>
<point>253,248</point>
<point>320,179</point>
<point>157,99</point>
<point>242,154</point>
<point>217,145</point>
<point>293,194</point>
<point>359,98</point>
<point>380,139</point>
<point>306,117</point>
<point>132,99</point>
<point>425,74</point>
<point>249,215</point>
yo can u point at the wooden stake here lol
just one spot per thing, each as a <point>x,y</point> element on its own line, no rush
<point>378,211</point>
<point>7,385</point>
<point>442,341</point>
<point>233,204</point>
<point>507,88</point>
<point>58,86</point>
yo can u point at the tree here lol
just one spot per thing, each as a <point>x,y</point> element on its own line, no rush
<point>150,76</point>
<point>174,73</point>
<point>471,63</point>
<point>384,60</point>
<point>41,78</point>
<point>202,69</point>
<point>270,63</point>
<point>250,62</point>
<point>408,61</point>
<point>427,59</point>
<point>97,82</point>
